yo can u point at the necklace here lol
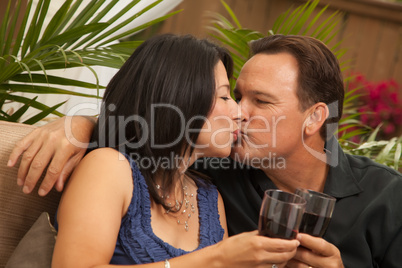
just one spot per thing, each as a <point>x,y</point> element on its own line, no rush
<point>186,204</point>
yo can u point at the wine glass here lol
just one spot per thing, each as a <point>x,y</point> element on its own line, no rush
<point>318,212</point>
<point>281,214</point>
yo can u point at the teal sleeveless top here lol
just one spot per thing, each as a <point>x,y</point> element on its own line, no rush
<point>137,243</point>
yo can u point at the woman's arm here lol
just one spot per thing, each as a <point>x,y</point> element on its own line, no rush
<point>91,208</point>
<point>222,215</point>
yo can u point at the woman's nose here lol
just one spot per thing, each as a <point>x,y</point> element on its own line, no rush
<point>241,113</point>
<point>236,114</point>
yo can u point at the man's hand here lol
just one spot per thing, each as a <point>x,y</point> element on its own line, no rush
<point>59,145</point>
<point>315,252</point>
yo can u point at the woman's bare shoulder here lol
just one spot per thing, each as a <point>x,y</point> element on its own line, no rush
<point>105,158</point>
<point>104,164</point>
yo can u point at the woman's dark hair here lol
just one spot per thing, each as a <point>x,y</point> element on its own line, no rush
<point>165,87</point>
<point>320,77</point>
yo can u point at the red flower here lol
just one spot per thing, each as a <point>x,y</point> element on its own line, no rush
<point>380,102</point>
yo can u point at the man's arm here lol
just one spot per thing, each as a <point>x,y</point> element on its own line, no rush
<point>51,146</point>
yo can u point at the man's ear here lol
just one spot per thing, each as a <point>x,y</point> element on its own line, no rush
<point>317,115</point>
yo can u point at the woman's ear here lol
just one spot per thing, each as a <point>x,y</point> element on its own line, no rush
<point>317,115</point>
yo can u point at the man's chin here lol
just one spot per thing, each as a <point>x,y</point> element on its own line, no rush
<point>237,152</point>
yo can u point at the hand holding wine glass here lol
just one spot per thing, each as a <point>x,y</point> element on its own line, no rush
<point>314,251</point>
<point>318,212</point>
<point>281,214</point>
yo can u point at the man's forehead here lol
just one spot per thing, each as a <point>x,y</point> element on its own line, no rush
<point>267,60</point>
<point>268,67</point>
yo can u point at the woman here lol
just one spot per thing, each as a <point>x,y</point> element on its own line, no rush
<point>132,200</point>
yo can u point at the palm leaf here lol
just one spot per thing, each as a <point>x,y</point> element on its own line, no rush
<point>289,23</point>
<point>279,21</point>
<point>41,90</point>
<point>231,13</point>
<point>354,133</point>
<point>221,20</point>
<point>69,16</point>
<point>20,112</point>
<point>114,19</point>
<point>11,31</point>
<point>83,17</point>
<point>49,79</point>
<point>96,20</point>
<point>126,48</point>
<point>56,21</point>
<point>139,28</point>
<point>38,26</point>
<point>29,40</point>
<point>26,59</point>
<point>3,27</point>
<point>77,32</point>
<point>20,37</point>
<point>36,118</point>
<point>34,104</point>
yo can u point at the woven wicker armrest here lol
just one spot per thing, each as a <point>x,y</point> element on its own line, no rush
<point>18,211</point>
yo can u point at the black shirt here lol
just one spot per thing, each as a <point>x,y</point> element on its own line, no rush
<point>366,224</point>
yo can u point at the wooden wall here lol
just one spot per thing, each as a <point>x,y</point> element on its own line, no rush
<point>371,29</point>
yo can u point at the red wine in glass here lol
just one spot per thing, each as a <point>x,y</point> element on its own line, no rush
<point>280,214</point>
<point>314,224</point>
<point>273,229</point>
<point>318,212</point>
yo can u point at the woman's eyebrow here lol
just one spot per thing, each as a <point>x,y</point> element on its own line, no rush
<point>227,86</point>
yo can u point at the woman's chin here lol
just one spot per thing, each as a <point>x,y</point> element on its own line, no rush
<point>223,152</point>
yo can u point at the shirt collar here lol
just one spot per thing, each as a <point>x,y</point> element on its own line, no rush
<point>259,180</point>
<point>340,181</point>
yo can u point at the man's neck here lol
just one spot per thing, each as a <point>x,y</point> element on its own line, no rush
<point>302,171</point>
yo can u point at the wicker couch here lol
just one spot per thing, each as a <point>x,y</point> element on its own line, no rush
<point>18,211</point>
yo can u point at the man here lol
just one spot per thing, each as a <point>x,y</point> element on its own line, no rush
<point>290,93</point>
<point>286,91</point>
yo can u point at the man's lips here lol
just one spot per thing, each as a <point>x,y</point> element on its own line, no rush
<point>242,133</point>
<point>236,134</point>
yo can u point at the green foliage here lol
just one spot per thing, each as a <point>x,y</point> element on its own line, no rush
<point>302,21</point>
<point>71,39</point>
<point>387,152</point>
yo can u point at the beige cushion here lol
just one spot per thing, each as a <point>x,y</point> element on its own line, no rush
<point>18,211</point>
<point>35,250</point>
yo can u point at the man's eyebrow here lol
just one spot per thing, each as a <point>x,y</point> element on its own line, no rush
<point>261,93</point>
<point>256,93</point>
